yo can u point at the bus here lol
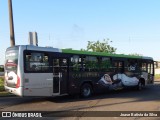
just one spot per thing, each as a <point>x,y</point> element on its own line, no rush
<point>45,71</point>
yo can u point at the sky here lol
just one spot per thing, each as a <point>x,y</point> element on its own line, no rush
<point>133,26</point>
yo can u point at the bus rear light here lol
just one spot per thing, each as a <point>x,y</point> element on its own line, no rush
<point>18,82</point>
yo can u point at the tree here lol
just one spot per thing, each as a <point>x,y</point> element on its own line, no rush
<point>100,46</point>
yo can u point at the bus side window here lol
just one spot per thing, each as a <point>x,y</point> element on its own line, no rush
<point>149,68</point>
<point>27,62</point>
<point>118,66</point>
<point>56,65</point>
<point>132,66</point>
<point>105,64</point>
<point>36,62</point>
<point>114,66</point>
<point>144,67</point>
<point>63,64</point>
<point>75,63</point>
<point>90,63</point>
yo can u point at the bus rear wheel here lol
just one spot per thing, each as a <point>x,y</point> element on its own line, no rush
<point>86,90</point>
<point>139,86</point>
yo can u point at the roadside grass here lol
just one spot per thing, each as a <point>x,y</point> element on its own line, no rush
<point>157,77</point>
<point>2,91</point>
<point>1,84</point>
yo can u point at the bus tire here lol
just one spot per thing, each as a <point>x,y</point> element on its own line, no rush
<point>86,90</point>
<point>139,86</point>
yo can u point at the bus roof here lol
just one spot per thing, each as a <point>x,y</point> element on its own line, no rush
<point>70,51</point>
<point>104,54</point>
<point>32,47</point>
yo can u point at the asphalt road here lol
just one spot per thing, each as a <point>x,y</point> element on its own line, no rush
<point>125,100</point>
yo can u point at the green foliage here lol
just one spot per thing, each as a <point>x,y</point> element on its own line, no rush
<point>1,81</point>
<point>100,46</point>
<point>1,84</point>
<point>157,77</point>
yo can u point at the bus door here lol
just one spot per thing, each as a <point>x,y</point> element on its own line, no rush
<point>60,75</point>
<point>150,72</point>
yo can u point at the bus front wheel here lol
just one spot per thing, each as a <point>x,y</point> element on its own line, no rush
<point>86,90</point>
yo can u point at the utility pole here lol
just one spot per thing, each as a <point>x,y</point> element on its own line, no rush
<point>12,38</point>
